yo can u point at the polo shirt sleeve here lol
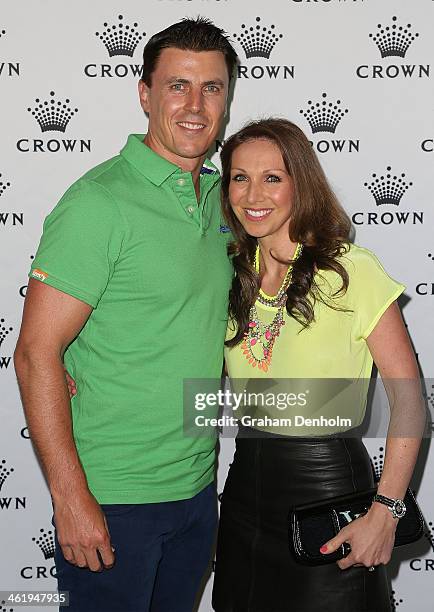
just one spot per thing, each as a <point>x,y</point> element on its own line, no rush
<point>81,243</point>
<point>371,290</point>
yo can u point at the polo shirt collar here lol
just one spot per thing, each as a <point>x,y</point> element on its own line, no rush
<point>209,168</point>
<point>153,166</point>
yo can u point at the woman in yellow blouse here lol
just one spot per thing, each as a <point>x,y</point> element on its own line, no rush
<point>305,304</point>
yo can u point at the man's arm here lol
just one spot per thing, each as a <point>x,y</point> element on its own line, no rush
<point>51,321</point>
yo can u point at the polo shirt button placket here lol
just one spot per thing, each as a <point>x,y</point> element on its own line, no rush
<point>185,193</point>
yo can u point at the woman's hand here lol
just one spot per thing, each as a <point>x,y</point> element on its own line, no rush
<point>71,384</point>
<point>371,538</point>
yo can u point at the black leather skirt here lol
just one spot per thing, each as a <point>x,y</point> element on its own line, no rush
<point>255,571</point>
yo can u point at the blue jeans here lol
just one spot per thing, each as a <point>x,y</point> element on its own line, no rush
<point>163,551</point>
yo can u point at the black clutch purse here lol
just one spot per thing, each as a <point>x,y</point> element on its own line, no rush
<point>312,525</point>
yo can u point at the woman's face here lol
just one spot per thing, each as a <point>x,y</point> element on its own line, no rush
<point>260,190</point>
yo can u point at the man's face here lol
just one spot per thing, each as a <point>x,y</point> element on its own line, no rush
<point>186,103</point>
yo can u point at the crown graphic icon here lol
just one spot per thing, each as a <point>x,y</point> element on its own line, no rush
<point>429,533</point>
<point>324,116</point>
<point>120,39</point>
<point>388,188</point>
<point>258,41</point>
<point>5,472</point>
<point>377,462</point>
<point>4,331</point>
<point>430,394</point>
<point>46,543</point>
<point>3,187</point>
<point>393,40</point>
<point>52,115</point>
<point>395,601</point>
<point>2,609</point>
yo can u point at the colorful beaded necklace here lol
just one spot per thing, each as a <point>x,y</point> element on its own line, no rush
<point>259,340</point>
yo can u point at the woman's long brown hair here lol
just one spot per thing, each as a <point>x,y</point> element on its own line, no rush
<point>317,221</point>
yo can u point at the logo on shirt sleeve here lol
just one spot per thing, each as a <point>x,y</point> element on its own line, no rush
<point>36,273</point>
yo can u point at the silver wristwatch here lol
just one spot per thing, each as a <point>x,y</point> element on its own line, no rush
<point>396,506</point>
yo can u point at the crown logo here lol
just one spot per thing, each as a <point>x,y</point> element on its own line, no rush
<point>4,331</point>
<point>388,188</point>
<point>3,187</point>
<point>430,395</point>
<point>52,115</point>
<point>120,39</point>
<point>394,601</point>
<point>393,40</point>
<point>2,609</point>
<point>5,472</point>
<point>324,116</point>
<point>377,462</point>
<point>429,533</point>
<point>46,543</point>
<point>258,41</point>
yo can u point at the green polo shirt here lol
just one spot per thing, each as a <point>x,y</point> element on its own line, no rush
<point>130,239</point>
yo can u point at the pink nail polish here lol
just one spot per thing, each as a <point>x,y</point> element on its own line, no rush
<point>323,549</point>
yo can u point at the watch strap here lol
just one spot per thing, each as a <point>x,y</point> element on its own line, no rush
<point>396,506</point>
<point>382,499</point>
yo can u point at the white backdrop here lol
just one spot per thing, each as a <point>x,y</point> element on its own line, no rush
<point>382,114</point>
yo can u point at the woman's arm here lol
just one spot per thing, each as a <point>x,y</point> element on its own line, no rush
<point>372,536</point>
<point>393,355</point>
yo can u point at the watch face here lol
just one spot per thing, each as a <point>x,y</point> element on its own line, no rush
<point>399,508</point>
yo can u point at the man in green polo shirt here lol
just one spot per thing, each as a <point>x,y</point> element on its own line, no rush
<point>129,286</point>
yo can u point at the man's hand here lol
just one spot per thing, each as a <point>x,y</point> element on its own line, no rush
<point>371,538</point>
<point>83,533</point>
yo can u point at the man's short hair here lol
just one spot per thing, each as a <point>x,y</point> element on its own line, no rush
<point>198,34</point>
